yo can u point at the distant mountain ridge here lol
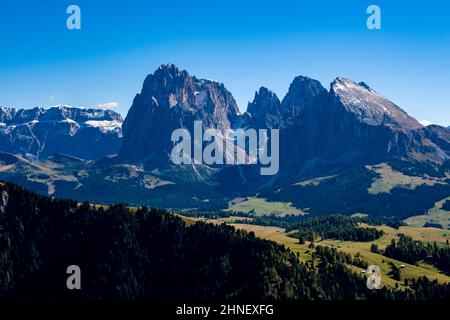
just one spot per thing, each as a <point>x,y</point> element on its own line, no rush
<point>39,133</point>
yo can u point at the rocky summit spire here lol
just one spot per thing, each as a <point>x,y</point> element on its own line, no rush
<point>264,111</point>
<point>171,98</point>
<point>303,93</point>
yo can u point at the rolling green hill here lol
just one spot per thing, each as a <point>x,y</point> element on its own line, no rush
<point>362,249</point>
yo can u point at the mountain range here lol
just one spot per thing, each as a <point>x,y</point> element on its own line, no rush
<point>39,133</point>
<point>346,125</point>
<point>347,137</point>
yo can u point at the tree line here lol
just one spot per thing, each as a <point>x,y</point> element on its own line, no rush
<point>310,228</point>
<point>412,251</point>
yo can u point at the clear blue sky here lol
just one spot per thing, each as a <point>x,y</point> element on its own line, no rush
<point>244,44</point>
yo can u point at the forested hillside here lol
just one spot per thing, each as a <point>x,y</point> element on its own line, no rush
<point>151,254</point>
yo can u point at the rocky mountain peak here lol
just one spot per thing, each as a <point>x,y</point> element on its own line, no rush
<point>170,87</point>
<point>171,98</point>
<point>368,106</point>
<point>264,110</point>
<point>265,101</point>
<point>303,93</point>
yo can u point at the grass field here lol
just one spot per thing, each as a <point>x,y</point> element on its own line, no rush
<point>277,235</point>
<point>229,220</point>
<point>434,215</point>
<point>390,179</point>
<point>421,234</point>
<point>262,207</point>
<point>313,181</point>
<point>363,249</point>
<point>188,220</point>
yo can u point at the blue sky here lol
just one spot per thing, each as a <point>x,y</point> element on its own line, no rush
<point>244,44</point>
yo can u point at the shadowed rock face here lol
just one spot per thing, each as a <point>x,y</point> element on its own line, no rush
<point>39,133</point>
<point>361,121</point>
<point>171,99</point>
<point>350,125</point>
<point>368,106</point>
<point>264,112</point>
<point>320,130</point>
<point>305,95</point>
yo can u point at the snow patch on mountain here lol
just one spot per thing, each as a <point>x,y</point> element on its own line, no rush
<point>105,125</point>
<point>425,123</point>
<point>369,106</point>
<point>39,133</point>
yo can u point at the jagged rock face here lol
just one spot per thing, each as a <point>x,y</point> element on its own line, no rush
<point>440,136</point>
<point>172,99</point>
<point>367,125</point>
<point>368,106</point>
<point>305,95</point>
<point>297,117</point>
<point>302,126</point>
<point>264,111</point>
<point>320,129</point>
<point>349,125</point>
<point>39,133</point>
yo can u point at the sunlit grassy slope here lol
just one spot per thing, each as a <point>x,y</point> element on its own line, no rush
<point>434,215</point>
<point>261,207</point>
<point>362,248</point>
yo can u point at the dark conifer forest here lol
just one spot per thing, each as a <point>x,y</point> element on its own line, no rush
<point>411,251</point>
<point>152,254</point>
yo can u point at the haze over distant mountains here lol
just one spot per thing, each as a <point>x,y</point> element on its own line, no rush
<point>322,133</point>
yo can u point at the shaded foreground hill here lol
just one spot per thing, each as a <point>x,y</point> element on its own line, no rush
<point>151,254</point>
